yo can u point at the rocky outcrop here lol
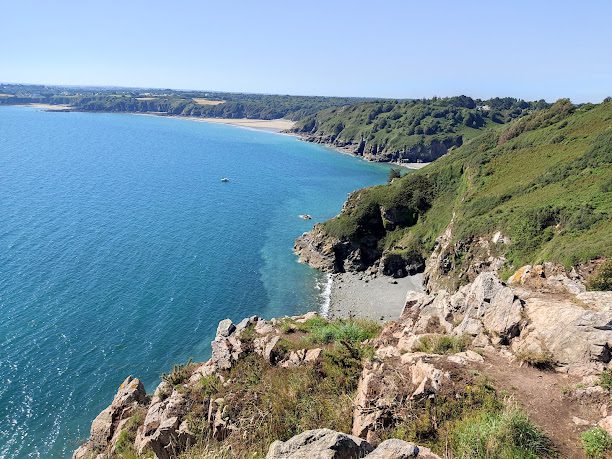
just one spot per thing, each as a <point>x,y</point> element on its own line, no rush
<point>130,398</point>
<point>383,153</point>
<point>426,357</point>
<point>542,315</point>
<point>328,444</point>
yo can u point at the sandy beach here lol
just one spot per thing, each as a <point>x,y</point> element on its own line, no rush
<point>377,298</point>
<point>51,107</point>
<point>277,125</point>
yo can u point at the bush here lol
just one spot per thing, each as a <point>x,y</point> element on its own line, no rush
<point>602,280</point>
<point>179,374</point>
<point>442,344</point>
<point>596,442</point>
<point>543,360</point>
<point>508,434</point>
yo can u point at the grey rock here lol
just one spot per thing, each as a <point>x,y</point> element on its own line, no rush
<point>320,444</point>
<point>399,449</point>
<point>225,328</point>
<point>394,449</point>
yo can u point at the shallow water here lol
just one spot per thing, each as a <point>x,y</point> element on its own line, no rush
<point>120,250</point>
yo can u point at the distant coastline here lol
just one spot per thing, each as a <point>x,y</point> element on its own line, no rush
<point>278,126</point>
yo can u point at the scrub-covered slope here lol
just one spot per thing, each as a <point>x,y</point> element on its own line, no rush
<point>538,190</point>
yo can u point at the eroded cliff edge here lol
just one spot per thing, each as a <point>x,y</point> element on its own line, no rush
<point>448,352</point>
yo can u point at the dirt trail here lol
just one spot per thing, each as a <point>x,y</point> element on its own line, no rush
<point>540,393</point>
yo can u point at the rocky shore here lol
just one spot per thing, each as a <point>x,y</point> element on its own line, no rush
<point>543,322</point>
<point>370,296</point>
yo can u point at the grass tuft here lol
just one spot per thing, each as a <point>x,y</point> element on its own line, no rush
<point>596,443</point>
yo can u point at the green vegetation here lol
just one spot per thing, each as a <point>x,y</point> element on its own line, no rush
<point>442,344</point>
<point>422,129</point>
<point>544,182</point>
<point>179,374</point>
<point>602,280</point>
<point>269,403</point>
<point>504,434</point>
<point>172,102</point>
<point>605,380</point>
<point>124,448</point>
<point>596,443</point>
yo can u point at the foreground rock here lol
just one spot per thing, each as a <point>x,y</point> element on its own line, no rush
<point>130,399</point>
<point>328,444</point>
<point>543,321</point>
<point>428,357</point>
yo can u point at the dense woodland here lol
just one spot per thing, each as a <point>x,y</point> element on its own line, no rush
<point>413,130</point>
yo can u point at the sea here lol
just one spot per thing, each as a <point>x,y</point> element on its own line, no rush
<point>121,249</point>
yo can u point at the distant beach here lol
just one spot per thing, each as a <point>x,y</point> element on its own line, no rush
<point>277,125</point>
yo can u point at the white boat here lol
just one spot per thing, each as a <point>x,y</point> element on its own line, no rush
<point>225,179</point>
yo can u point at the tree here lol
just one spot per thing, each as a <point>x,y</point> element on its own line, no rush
<point>394,173</point>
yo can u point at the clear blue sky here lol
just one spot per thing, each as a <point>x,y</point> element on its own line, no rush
<point>531,49</point>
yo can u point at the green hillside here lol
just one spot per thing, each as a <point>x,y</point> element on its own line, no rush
<point>411,130</point>
<point>545,182</point>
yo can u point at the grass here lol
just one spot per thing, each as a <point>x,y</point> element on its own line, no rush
<point>596,443</point>
<point>179,374</point>
<point>268,403</point>
<point>503,434</point>
<point>442,344</point>
<point>322,331</point>
<point>605,380</point>
<point>124,447</point>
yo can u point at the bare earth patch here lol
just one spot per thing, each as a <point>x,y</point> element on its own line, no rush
<point>542,394</point>
<point>201,101</point>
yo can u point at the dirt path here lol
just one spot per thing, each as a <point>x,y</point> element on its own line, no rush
<point>540,393</point>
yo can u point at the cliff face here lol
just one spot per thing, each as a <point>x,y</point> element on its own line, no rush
<point>387,153</point>
<point>351,377</point>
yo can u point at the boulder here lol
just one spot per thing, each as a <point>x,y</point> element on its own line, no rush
<point>399,449</point>
<point>320,444</point>
<point>606,424</point>
<point>225,328</point>
<point>504,315</point>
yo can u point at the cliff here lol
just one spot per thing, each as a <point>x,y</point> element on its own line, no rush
<point>424,379</point>
<point>538,190</point>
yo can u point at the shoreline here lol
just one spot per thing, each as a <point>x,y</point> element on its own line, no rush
<point>379,298</point>
<point>276,126</point>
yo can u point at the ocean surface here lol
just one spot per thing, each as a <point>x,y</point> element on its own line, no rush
<point>121,249</point>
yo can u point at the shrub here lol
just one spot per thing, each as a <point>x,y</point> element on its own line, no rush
<point>602,279</point>
<point>179,374</point>
<point>506,434</point>
<point>540,359</point>
<point>596,442</point>
<point>442,344</point>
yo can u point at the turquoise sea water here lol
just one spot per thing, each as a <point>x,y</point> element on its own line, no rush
<point>120,250</point>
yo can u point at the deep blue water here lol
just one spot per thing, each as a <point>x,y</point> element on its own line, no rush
<point>120,250</point>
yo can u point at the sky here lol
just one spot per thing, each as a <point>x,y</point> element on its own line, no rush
<point>534,49</point>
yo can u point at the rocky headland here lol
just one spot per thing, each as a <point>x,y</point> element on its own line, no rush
<point>541,324</point>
